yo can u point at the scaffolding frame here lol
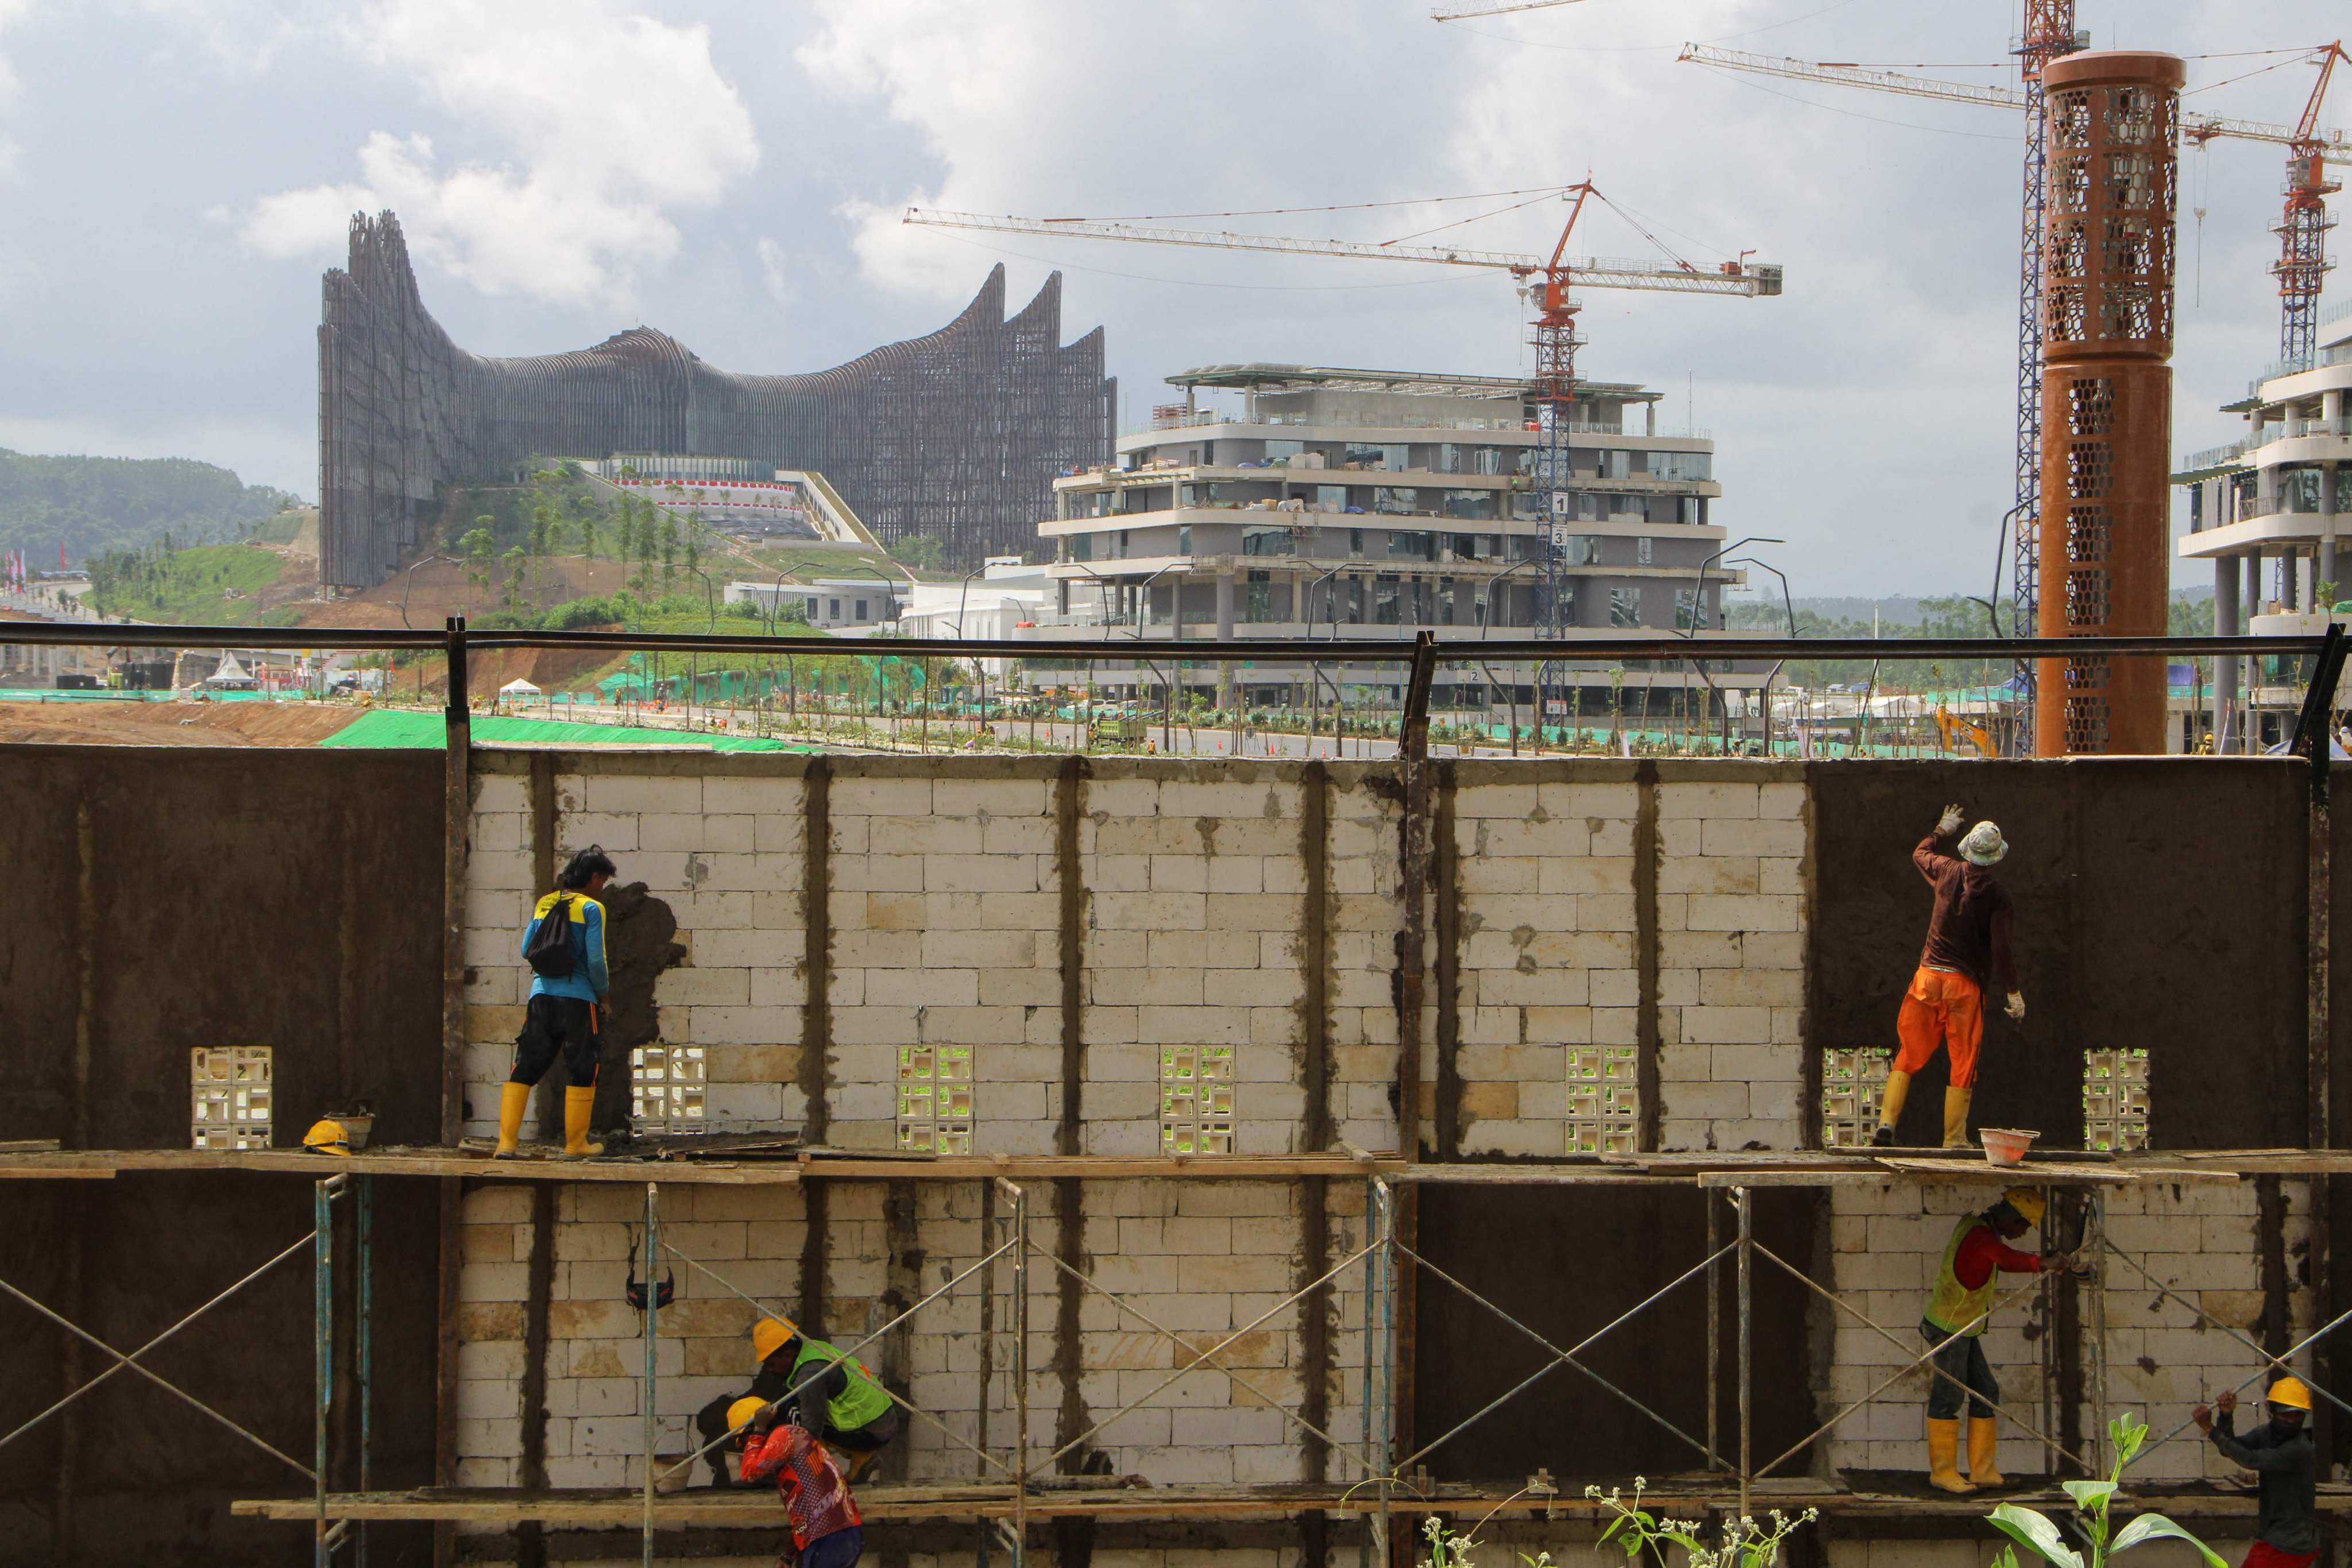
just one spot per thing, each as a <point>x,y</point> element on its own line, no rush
<point>1003,1506</point>
<point>328,1537</point>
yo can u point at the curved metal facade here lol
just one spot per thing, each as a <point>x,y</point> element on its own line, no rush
<point>958,435</point>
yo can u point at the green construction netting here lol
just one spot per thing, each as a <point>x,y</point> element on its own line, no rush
<point>394,728</point>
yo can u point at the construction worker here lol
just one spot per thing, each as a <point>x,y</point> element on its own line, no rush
<point>564,944</point>
<point>2286,1531</point>
<point>1974,1258</point>
<point>845,1408</point>
<point>1967,948</point>
<point>827,1531</point>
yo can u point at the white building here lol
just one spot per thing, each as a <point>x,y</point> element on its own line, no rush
<point>828,604</point>
<point>2265,509</point>
<point>1377,503</point>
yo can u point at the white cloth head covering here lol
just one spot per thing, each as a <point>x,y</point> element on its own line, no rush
<point>1983,845</point>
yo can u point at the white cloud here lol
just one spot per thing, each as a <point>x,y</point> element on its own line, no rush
<point>775,270</point>
<point>10,11</point>
<point>608,124</point>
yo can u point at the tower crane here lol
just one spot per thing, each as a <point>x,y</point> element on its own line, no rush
<point>1545,280</point>
<point>2049,33</point>
<point>2302,266</point>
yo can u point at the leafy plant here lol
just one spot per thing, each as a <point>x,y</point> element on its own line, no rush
<point>2041,1535</point>
<point>1742,1542</point>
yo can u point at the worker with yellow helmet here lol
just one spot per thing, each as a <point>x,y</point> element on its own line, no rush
<point>834,1396</point>
<point>827,1531</point>
<point>1974,1258</point>
<point>2286,1468</point>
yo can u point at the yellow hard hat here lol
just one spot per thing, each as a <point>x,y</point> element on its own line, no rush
<point>326,1137</point>
<point>2030,1204</point>
<point>770,1336</point>
<point>742,1410</point>
<point>2291,1393</point>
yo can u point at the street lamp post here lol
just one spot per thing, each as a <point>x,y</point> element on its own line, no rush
<point>1790,605</point>
<point>1699,608</point>
<point>1486,625</point>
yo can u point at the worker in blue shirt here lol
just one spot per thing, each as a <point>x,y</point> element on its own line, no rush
<point>564,946</point>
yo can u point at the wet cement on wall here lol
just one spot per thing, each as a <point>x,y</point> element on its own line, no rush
<point>229,894</point>
<point>2160,904</point>
<point>1566,1261</point>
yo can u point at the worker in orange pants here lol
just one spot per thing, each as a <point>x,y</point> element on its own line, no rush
<point>1967,948</point>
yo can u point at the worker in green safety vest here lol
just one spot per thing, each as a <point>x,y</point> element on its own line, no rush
<point>1967,1281</point>
<point>840,1401</point>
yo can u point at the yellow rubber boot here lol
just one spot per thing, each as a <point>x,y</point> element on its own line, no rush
<point>1984,1445</point>
<point>514,1098</point>
<point>1890,1110</point>
<point>1955,1117</point>
<point>578,1103</point>
<point>1944,1457</point>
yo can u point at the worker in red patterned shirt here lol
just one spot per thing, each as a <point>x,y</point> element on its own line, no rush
<point>827,1528</point>
<point>1967,953</point>
<point>1954,1323</point>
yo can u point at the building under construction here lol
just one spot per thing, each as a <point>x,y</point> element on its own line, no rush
<point>957,434</point>
<point>1067,1095</point>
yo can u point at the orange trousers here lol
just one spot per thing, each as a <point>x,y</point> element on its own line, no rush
<point>1941,1009</point>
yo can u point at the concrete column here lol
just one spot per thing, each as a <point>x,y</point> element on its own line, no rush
<point>1224,607</point>
<point>2227,623</point>
<point>2290,590</point>
<point>1062,596</point>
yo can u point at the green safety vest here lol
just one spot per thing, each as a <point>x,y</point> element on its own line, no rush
<point>860,1403</point>
<point>1954,1304</point>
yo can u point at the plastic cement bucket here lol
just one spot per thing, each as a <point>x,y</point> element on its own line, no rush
<point>2005,1145</point>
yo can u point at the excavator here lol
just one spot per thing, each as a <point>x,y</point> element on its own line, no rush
<point>1953,729</point>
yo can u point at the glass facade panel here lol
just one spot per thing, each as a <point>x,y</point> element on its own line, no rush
<point>1269,542</point>
<point>1477,504</point>
<point>1685,466</point>
<point>1624,606</point>
<point>1391,456</point>
<point>1406,544</point>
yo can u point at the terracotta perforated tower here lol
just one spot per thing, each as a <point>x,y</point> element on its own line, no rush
<point>2106,394</point>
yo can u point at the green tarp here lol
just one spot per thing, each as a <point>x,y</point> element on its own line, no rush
<point>395,728</point>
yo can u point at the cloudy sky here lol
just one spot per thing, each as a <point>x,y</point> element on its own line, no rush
<point>175,175</point>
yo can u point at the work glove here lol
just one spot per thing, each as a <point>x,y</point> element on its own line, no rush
<point>2017,1005</point>
<point>765,1421</point>
<point>1950,822</point>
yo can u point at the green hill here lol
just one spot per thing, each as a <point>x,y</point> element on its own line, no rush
<point>95,504</point>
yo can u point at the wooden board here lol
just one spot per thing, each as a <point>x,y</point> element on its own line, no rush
<point>538,1163</point>
<point>762,1509</point>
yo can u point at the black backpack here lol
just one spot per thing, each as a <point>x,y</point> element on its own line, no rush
<point>553,953</point>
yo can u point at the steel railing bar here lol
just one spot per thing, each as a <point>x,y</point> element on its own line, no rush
<point>2164,1290</point>
<point>130,1361</point>
<point>2299,1345</point>
<point>1199,1357</point>
<point>1908,1368</point>
<point>1174,1337</point>
<point>1562,1357</point>
<point>125,1362</point>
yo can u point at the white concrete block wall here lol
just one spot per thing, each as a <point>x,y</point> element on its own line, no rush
<point>1548,962</point>
<point>2195,1239</point>
<point>2200,1243</point>
<point>1363,825</point>
<point>1212,1262</point>
<point>1194,911</point>
<point>1731,980</point>
<point>725,854</point>
<point>946,913</point>
<point>498,899</point>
